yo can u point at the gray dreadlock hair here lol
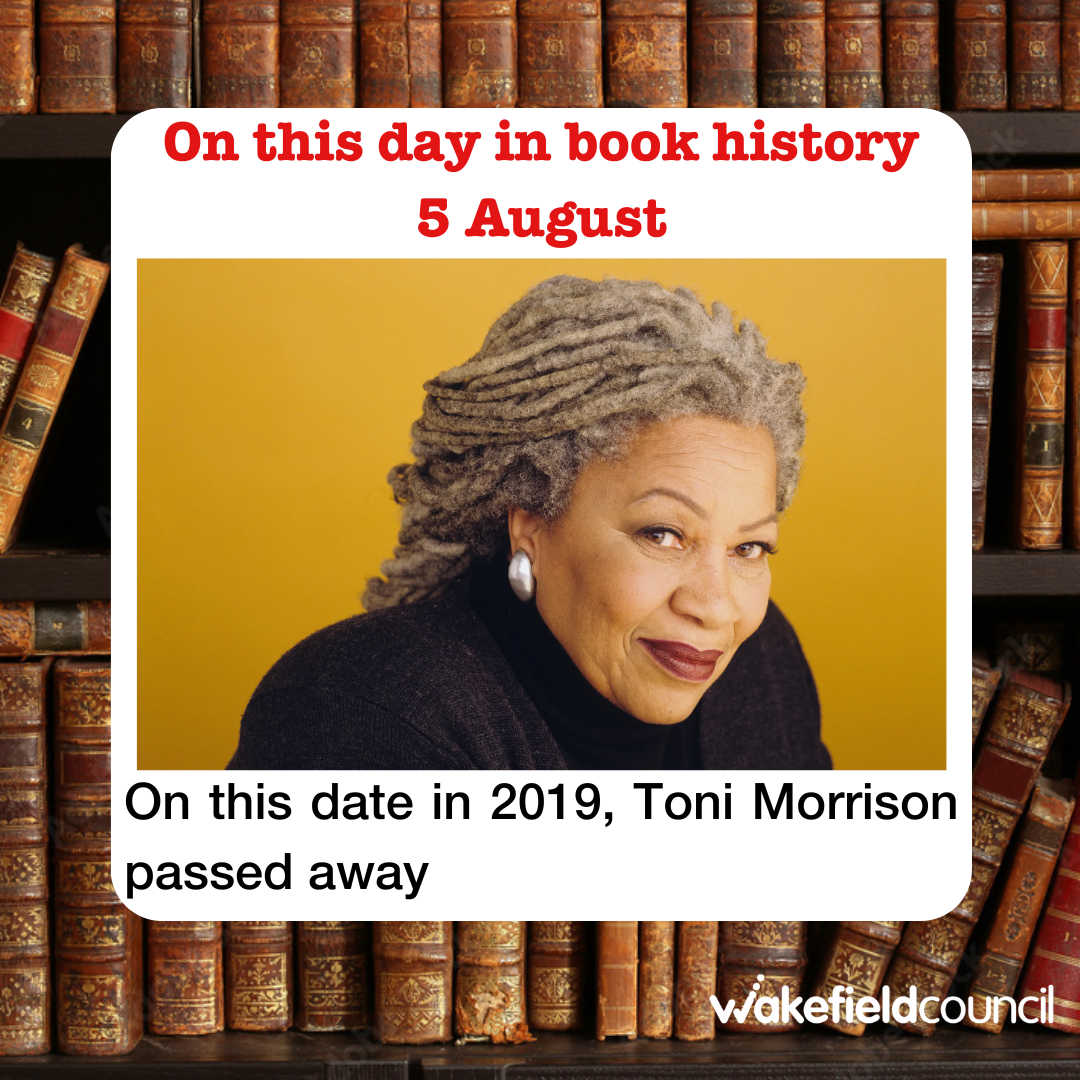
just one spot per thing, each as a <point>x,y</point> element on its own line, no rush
<point>567,373</point>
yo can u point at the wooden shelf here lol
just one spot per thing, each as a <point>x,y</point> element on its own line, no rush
<point>55,575</point>
<point>1001,572</point>
<point>76,136</point>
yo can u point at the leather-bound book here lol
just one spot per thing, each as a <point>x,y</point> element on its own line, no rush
<point>853,55</point>
<point>28,628</point>
<point>77,55</point>
<point>44,376</point>
<point>912,66</point>
<point>645,53</point>
<point>1004,185</point>
<point>1072,413</point>
<point>984,681</point>
<point>723,54</point>
<point>858,956</point>
<point>18,85</point>
<point>560,56</point>
<point>1036,54</point>
<point>21,303</point>
<point>185,992</point>
<point>761,956</point>
<point>1030,646</point>
<point>1070,54</point>
<point>98,949</point>
<point>792,53</point>
<point>479,54</point>
<point>153,45</point>
<point>400,54</point>
<point>489,990</point>
<point>980,52</point>
<point>318,49</point>
<point>985,303</point>
<point>25,986</point>
<point>1026,718</point>
<point>333,976</point>
<point>557,979</point>
<point>258,976</point>
<point>1041,450</point>
<point>1010,934</point>
<point>1024,220</point>
<point>239,54</point>
<point>616,979</point>
<point>656,980</point>
<point>695,981</point>
<point>414,973</point>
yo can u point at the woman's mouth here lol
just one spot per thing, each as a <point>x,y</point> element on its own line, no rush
<point>682,660</point>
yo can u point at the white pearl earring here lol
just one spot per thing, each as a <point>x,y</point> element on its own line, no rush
<point>521,577</point>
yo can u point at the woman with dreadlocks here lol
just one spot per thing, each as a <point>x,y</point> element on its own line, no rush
<point>582,573</point>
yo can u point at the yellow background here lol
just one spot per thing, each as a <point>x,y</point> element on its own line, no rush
<point>274,397</point>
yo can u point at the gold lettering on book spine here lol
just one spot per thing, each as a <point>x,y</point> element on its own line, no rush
<point>335,986</point>
<point>24,290</point>
<point>25,926</point>
<point>260,985</point>
<point>22,867</point>
<point>766,935</point>
<point>89,1008</point>
<point>23,1012</point>
<point>412,933</point>
<point>90,931</point>
<point>555,995</point>
<point>414,1004</point>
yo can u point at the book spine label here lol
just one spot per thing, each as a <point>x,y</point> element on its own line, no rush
<point>318,45</point>
<point>695,981</point>
<point>979,55</point>
<point>400,55</point>
<point>239,57</point>
<point>479,41</point>
<point>26,627</point>
<point>333,976</point>
<point>186,983</point>
<point>1036,54</point>
<point>154,54</point>
<point>858,956</point>
<point>723,54</point>
<point>18,85</point>
<point>616,979</point>
<point>1070,54</point>
<point>77,50</point>
<point>912,67</point>
<point>21,302</point>
<point>792,58</point>
<point>985,301</point>
<point>656,980</point>
<point>853,55</point>
<point>557,976</point>
<point>764,957</point>
<point>489,990</point>
<point>258,975</point>
<point>645,53</point>
<point>414,970</point>
<point>559,54</point>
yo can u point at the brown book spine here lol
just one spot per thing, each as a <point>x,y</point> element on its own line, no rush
<point>318,46</point>
<point>695,981</point>
<point>414,972</point>
<point>761,956</point>
<point>99,943</point>
<point>1072,411</point>
<point>44,377</point>
<point>21,303</point>
<point>979,55</point>
<point>557,975</point>
<point>853,55</point>
<point>154,54</point>
<point>984,682</point>
<point>27,628</point>
<point>77,51</point>
<point>985,302</point>
<point>1006,185</point>
<point>1036,54</point>
<point>1070,54</point>
<point>560,54</point>
<point>333,976</point>
<point>1024,646</point>
<point>1021,901</point>
<point>645,53</point>
<point>912,67</point>
<point>1042,396</point>
<point>258,976</point>
<point>616,979</point>
<point>1026,718</point>
<point>400,54</point>
<point>656,980</point>
<point>25,986</point>
<point>489,990</point>
<point>723,54</point>
<point>239,56</point>
<point>18,84</point>
<point>1024,220</point>
<point>479,59</point>
<point>185,980</point>
<point>858,956</point>
<point>792,53</point>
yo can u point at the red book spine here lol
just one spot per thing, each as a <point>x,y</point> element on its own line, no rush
<point>318,45</point>
<point>645,53</point>
<point>853,55</point>
<point>1036,54</point>
<point>559,54</point>
<point>239,54</point>
<point>77,49</point>
<point>479,54</point>
<point>723,54</point>
<point>153,41</point>
<point>400,54</point>
<point>1070,54</point>
<point>21,303</point>
<point>792,54</point>
<point>979,55</point>
<point>18,86</point>
<point>912,66</point>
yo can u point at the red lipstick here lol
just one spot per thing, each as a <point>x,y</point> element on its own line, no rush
<point>682,660</point>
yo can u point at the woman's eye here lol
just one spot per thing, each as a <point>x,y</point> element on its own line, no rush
<point>752,552</point>
<point>662,537</point>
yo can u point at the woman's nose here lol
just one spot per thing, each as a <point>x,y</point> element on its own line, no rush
<point>705,592</point>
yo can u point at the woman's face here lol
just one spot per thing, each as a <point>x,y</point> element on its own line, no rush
<point>659,568</point>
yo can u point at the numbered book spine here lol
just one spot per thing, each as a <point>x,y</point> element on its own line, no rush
<point>1036,54</point>
<point>1021,900</point>
<point>979,55</point>
<point>912,67</point>
<point>239,56</point>
<point>656,980</point>
<point>21,303</point>
<point>489,990</point>
<point>616,979</point>
<point>1041,451</point>
<point>44,376</point>
<point>258,976</point>
<point>560,54</point>
<point>153,54</point>
<point>1070,54</point>
<point>1024,220</point>
<point>645,53</point>
<point>858,956</point>
<point>984,681</point>
<point>479,42</point>
<point>695,981</point>
<point>99,943</point>
<point>77,51</point>
<point>18,85</point>
<point>1003,185</point>
<point>185,978</point>
<point>723,54</point>
<point>985,301</point>
<point>333,976</point>
<point>792,57</point>
<point>557,975</point>
<point>853,55</point>
<point>414,975</point>
<point>761,956</point>
<point>318,49</point>
<point>27,628</point>
<point>25,986</point>
<point>400,54</point>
